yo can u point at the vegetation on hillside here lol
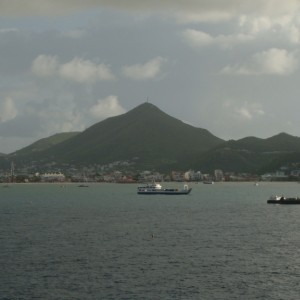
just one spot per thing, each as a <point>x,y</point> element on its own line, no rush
<point>154,140</point>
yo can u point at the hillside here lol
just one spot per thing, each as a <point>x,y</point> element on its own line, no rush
<point>145,135</point>
<point>45,143</point>
<point>150,139</point>
<point>281,142</point>
<point>252,154</point>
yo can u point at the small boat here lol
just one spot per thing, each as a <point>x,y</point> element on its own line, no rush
<point>156,189</point>
<point>83,185</point>
<point>283,200</point>
<point>208,182</point>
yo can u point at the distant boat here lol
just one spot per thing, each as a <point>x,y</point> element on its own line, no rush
<point>83,185</point>
<point>156,189</point>
<point>85,180</point>
<point>283,200</point>
<point>208,182</point>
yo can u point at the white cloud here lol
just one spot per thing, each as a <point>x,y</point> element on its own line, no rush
<point>245,112</point>
<point>45,65</point>
<point>8,110</point>
<point>272,62</point>
<point>78,70</point>
<point>85,71</point>
<point>61,113</point>
<point>255,25</point>
<point>283,27</point>
<point>149,70</point>
<point>197,38</point>
<point>107,107</point>
<point>62,120</point>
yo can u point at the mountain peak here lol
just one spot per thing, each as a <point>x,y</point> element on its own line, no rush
<point>282,136</point>
<point>146,133</point>
<point>146,106</point>
<point>146,110</point>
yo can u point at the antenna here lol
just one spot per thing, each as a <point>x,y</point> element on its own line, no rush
<point>12,171</point>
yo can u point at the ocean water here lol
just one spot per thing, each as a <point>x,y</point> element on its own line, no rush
<point>222,241</point>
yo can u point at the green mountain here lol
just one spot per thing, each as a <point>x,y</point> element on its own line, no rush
<point>45,143</point>
<point>149,139</point>
<point>145,135</point>
<point>281,142</point>
<point>27,155</point>
<point>252,154</point>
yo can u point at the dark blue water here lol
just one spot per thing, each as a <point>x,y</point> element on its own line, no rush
<point>222,241</point>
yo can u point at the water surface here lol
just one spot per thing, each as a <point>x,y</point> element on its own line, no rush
<point>222,241</point>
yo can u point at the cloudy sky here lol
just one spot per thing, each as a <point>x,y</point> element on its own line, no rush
<point>229,66</point>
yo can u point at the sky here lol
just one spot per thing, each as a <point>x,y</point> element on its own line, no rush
<point>228,66</point>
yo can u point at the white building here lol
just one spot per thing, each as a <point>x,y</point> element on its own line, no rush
<point>53,177</point>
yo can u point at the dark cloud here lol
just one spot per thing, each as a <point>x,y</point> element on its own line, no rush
<point>222,76</point>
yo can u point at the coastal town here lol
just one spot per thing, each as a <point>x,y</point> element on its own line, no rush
<point>112,174</point>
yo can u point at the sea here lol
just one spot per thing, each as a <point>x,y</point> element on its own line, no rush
<point>222,241</point>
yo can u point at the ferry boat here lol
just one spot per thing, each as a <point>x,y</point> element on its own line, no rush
<point>157,189</point>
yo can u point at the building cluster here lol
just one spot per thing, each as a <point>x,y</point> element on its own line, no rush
<point>90,175</point>
<point>144,176</point>
<point>120,174</point>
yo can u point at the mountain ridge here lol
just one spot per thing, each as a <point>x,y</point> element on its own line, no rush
<point>155,140</point>
<point>145,133</point>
